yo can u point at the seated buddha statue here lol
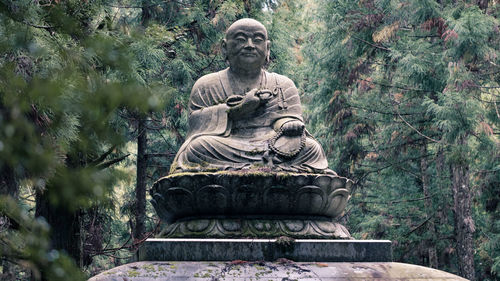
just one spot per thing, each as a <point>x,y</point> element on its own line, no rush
<point>244,117</point>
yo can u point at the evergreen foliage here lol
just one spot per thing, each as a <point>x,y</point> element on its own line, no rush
<point>63,82</point>
<point>403,96</point>
<point>411,89</point>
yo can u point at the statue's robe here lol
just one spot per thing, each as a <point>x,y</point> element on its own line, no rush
<point>216,142</point>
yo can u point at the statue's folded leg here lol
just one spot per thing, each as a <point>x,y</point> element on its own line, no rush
<point>220,153</point>
<point>310,159</point>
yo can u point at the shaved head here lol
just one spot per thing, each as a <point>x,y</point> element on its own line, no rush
<point>245,22</point>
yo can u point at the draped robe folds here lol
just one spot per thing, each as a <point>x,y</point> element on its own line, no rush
<point>215,142</point>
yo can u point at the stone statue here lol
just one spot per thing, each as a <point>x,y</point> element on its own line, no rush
<point>244,117</point>
<point>248,167</point>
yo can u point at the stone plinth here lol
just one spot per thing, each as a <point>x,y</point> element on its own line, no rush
<point>304,250</point>
<point>279,270</point>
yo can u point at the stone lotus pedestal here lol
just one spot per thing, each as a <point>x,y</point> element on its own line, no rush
<point>248,204</point>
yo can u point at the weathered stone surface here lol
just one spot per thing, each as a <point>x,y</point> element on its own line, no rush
<point>279,270</point>
<point>320,228</point>
<point>306,250</point>
<point>249,193</point>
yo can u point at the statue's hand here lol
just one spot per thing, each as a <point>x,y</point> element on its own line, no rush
<point>242,106</point>
<point>293,128</point>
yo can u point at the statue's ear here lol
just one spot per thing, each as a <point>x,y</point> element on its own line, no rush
<point>224,48</point>
<point>268,55</point>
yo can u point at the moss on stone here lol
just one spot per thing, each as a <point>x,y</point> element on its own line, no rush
<point>132,273</point>
<point>149,268</point>
<point>257,171</point>
<point>161,268</point>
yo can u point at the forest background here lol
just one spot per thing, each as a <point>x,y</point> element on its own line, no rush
<point>403,95</point>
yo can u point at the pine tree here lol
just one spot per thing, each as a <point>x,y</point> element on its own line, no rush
<point>63,80</point>
<point>404,83</point>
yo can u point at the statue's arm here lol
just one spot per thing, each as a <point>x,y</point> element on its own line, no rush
<point>242,106</point>
<point>208,112</point>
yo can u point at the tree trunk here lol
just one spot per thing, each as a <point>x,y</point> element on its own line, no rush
<point>8,187</point>
<point>248,6</point>
<point>140,188</point>
<point>8,182</point>
<point>431,243</point>
<point>483,4</point>
<point>146,12</point>
<point>464,224</point>
<point>65,225</point>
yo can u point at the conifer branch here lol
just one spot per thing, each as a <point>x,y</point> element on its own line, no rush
<point>397,201</point>
<point>417,131</point>
<point>384,112</point>
<point>487,87</point>
<point>147,6</point>
<point>413,128</point>
<point>486,101</point>
<point>424,36</point>
<point>103,156</point>
<point>392,164</point>
<point>168,154</point>
<point>151,127</point>
<point>496,109</point>
<point>6,7</point>
<point>373,45</point>
<point>419,226</point>
<point>162,136</point>
<point>111,162</point>
<point>395,164</point>
<point>177,134</point>
<point>208,65</point>
<point>398,87</point>
<point>46,27</point>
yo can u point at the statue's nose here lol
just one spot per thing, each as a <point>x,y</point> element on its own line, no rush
<point>249,43</point>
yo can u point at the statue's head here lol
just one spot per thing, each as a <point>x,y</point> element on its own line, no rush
<point>246,45</point>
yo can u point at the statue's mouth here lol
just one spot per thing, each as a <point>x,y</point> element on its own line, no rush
<point>249,54</point>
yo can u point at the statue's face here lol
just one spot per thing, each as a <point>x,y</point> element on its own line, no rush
<point>246,45</point>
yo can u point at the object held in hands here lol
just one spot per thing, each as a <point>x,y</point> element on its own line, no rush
<point>234,100</point>
<point>287,146</point>
<point>264,95</point>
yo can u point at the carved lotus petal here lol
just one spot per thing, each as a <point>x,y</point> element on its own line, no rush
<point>310,199</point>
<point>322,180</point>
<point>337,200</point>
<point>179,200</point>
<point>294,225</point>
<point>249,194</point>
<point>212,199</point>
<point>198,225</point>
<point>277,200</point>
<point>248,199</point>
<point>231,225</point>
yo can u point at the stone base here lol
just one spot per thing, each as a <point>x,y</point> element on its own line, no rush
<point>279,270</point>
<point>256,228</point>
<point>249,193</point>
<point>306,250</point>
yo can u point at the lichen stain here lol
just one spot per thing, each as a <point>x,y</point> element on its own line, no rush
<point>133,273</point>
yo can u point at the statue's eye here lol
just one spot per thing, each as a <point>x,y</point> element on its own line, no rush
<point>241,39</point>
<point>258,40</point>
